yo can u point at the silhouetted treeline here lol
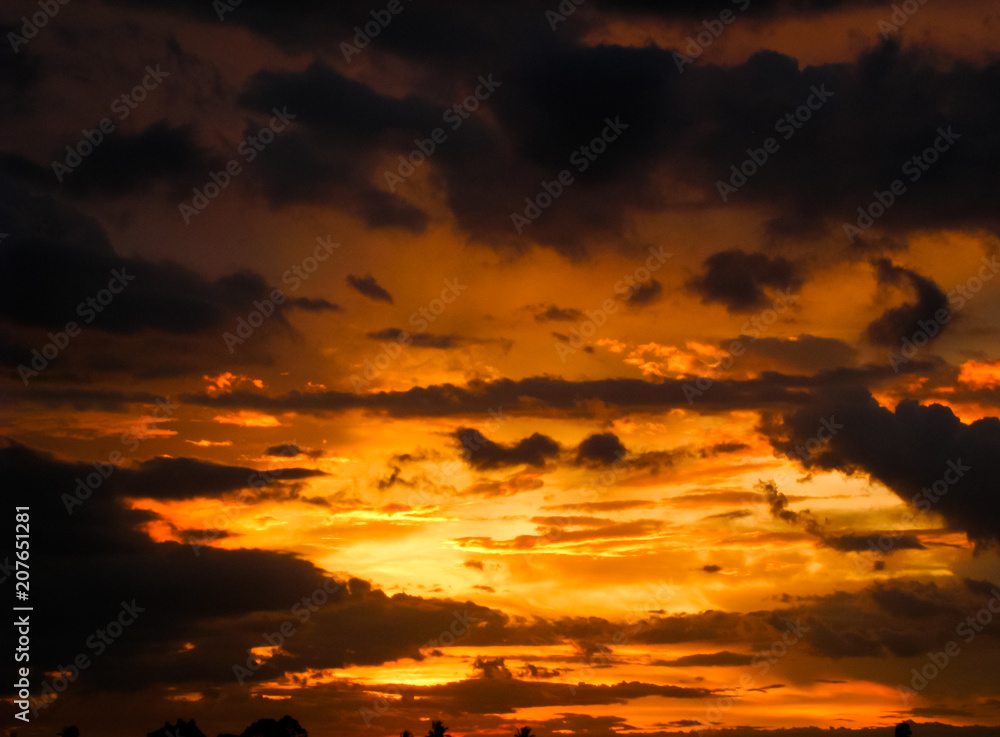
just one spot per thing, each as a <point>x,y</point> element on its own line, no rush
<point>284,727</point>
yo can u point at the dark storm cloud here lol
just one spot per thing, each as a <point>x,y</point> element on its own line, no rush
<point>444,33</point>
<point>417,340</point>
<point>723,658</point>
<point>101,558</point>
<point>534,671</point>
<point>340,126</point>
<point>558,314</point>
<point>554,97</point>
<point>369,288</point>
<point>563,94</point>
<point>901,618</point>
<point>559,100</point>
<point>862,543</point>
<point>19,73</point>
<point>700,123</point>
<point>313,304</point>
<point>482,453</point>
<point>124,163</point>
<point>185,478</point>
<point>742,281</point>
<point>926,455</point>
<point>497,695</point>
<point>290,450</point>
<point>601,449</point>
<point>850,543</point>
<point>906,604</point>
<point>120,164</point>
<point>898,619</point>
<point>897,323</point>
<point>644,294</point>
<point>771,390</point>
<point>321,98</point>
<point>55,260</point>
<point>447,399</point>
<point>44,283</point>
<point>449,31</point>
<point>306,167</point>
<point>696,9</point>
<point>913,617</point>
<point>722,449</point>
<point>895,128</point>
<point>805,353</point>
<point>492,668</point>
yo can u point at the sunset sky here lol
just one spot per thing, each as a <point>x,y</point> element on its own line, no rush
<point>609,367</point>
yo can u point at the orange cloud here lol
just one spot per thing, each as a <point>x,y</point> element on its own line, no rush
<point>980,374</point>
<point>247,418</point>
<point>227,381</point>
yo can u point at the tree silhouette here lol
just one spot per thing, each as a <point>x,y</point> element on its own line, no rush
<point>523,732</point>
<point>437,729</point>
<point>406,733</point>
<point>69,732</point>
<point>181,729</point>
<point>284,727</point>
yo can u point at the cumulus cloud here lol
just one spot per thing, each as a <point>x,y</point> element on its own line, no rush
<point>482,453</point>
<point>897,323</point>
<point>925,454</point>
<point>744,282</point>
<point>601,449</point>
